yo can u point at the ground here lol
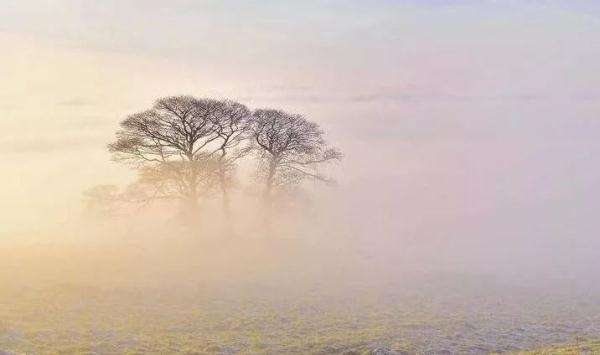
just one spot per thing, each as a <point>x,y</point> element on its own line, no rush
<point>107,301</point>
<point>76,319</point>
<point>590,347</point>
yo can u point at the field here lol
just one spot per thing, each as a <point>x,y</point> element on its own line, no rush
<point>583,348</point>
<point>263,318</point>
<point>67,319</point>
<point>126,299</point>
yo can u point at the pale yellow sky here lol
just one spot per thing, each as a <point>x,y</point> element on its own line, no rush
<point>503,94</point>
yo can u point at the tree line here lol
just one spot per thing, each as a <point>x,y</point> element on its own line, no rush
<point>185,147</point>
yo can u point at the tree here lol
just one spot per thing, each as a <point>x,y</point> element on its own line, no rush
<point>290,149</point>
<point>231,126</point>
<point>173,145</point>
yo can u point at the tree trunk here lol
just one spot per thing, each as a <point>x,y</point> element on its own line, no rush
<point>269,182</point>
<point>268,198</point>
<point>224,191</point>
<point>193,208</point>
<point>191,212</point>
<point>226,220</point>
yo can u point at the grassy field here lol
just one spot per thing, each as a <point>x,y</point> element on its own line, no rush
<point>591,348</point>
<point>93,301</point>
<point>76,319</point>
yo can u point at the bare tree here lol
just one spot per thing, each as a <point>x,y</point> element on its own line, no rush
<point>290,149</point>
<point>184,146</point>
<point>168,144</point>
<point>231,127</point>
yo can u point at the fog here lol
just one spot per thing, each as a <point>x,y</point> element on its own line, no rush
<point>470,140</point>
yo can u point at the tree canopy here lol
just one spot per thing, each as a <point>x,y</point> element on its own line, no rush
<point>184,147</point>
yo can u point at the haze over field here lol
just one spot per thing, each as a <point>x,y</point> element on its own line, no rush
<point>470,132</point>
<point>474,122</point>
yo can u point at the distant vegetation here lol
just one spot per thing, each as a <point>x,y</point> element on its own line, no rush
<point>186,149</point>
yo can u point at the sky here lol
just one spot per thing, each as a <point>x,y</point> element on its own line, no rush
<point>460,120</point>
